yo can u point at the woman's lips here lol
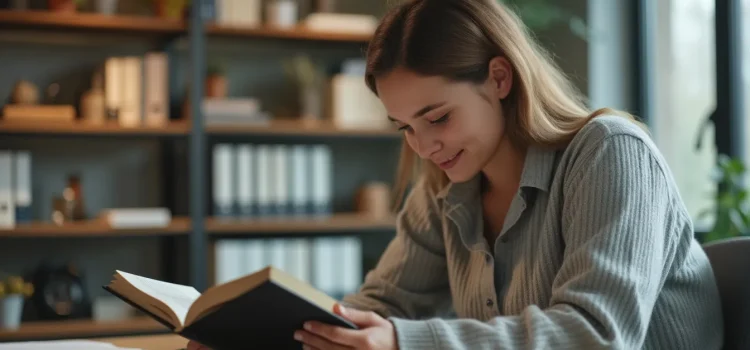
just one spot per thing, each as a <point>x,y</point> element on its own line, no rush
<point>451,162</point>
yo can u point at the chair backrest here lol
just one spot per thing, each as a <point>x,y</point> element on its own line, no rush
<point>730,260</point>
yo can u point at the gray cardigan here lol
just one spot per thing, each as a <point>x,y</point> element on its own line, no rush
<point>597,252</point>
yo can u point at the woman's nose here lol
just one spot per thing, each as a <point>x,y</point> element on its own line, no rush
<point>426,146</point>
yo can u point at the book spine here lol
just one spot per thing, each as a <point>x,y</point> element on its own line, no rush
<point>254,255</point>
<point>246,180</point>
<point>156,89</point>
<point>264,184</point>
<point>131,107</point>
<point>229,260</point>
<point>7,205</point>
<point>322,180</point>
<point>281,180</point>
<point>22,186</point>
<point>300,184</point>
<point>223,180</point>
<point>113,86</point>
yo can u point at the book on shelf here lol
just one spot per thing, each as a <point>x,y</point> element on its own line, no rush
<point>264,307</point>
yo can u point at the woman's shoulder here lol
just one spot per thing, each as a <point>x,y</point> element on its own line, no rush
<point>613,136</point>
<point>619,147</point>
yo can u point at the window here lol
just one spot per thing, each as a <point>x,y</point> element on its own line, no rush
<point>745,39</point>
<point>685,89</point>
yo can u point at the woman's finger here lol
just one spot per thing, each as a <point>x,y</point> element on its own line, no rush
<point>335,334</point>
<point>317,342</point>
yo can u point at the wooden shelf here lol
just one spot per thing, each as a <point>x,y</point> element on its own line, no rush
<point>92,228</point>
<point>89,21</point>
<point>82,128</point>
<point>292,225</point>
<point>298,128</point>
<point>97,23</point>
<point>81,328</point>
<point>298,33</point>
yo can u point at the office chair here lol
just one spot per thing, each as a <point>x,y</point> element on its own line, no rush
<point>730,260</point>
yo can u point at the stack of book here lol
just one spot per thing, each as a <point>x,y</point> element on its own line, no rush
<point>256,180</point>
<point>136,89</point>
<point>330,264</point>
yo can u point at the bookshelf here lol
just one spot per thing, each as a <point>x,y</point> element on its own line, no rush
<point>288,127</point>
<point>81,329</point>
<point>337,223</point>
<point>298,128</point>
<point>88,22</point>
<point>91,228</point>
<point>340,222</point>
<point>175,128</point>
<point>184,150</point>
<point>298,33</point>
<point>96,23</point>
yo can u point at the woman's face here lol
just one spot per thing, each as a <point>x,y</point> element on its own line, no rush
<point>457,126</point>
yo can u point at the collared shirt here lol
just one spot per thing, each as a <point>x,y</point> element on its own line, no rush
<point>596,251</point>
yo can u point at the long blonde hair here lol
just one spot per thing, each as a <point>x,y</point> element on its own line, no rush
<point>456,39</point>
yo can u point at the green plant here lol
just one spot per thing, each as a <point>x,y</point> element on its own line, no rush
<point>215,68</point>
<point>731,209</point>
<point>303,71</point>
<point>544,14</point>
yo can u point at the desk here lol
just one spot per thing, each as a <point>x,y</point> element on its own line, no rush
<point>149,342</point>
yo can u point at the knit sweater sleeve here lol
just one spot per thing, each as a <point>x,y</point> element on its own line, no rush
<point>411,278</point>
<point>616,247</point>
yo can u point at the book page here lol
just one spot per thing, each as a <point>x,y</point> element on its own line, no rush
<point>178,297</point>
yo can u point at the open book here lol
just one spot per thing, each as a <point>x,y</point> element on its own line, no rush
<point>265,307</point>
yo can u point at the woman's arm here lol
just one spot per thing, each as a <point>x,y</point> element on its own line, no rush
<point>616,207</point>
<point>411,278</point>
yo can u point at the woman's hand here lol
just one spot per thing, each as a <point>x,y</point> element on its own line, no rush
<point>375,333</point>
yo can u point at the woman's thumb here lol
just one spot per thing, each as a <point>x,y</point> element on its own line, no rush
<point>358,317</point>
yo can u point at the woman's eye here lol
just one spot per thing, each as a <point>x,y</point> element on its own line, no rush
<point>442,119</point>
<point>404,128</point>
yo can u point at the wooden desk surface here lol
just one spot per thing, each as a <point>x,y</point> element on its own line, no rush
<point>149,342</point>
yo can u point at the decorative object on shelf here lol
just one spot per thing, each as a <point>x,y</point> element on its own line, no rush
<point>109,308</point>
<point>25,93</point>
<point>238,13</point>
<point>69,207</point>
<point>93,102</point>
<point>341,23</point>
<point>133,218</point>
<point>374,199</point>
<point>25,105</point>
<point>309,80</point>
<point>66,6</point>
<point>106,7</point>
<point>13,292</point>
<point>170,9</point>
<point>216,85</point>
<point>731,211</point>
<point>282,13</point>
<point>352,105</point>
<point>60,293</point>
<point>325,5</point>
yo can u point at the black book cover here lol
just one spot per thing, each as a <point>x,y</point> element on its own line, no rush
<point>266,317</point>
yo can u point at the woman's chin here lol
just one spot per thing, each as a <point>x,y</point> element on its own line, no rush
<point>459,175</point>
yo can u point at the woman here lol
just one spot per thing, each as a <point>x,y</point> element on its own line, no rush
<point>539,224</point>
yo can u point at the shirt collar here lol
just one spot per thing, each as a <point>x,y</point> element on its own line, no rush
<point>538,168</point>
<point>537,172</point>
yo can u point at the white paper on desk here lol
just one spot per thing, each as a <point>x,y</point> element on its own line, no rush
<point>61,345</point>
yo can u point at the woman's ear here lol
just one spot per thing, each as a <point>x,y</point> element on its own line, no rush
<point>500,77</point>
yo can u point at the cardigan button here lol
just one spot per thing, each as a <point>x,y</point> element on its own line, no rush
<point>490,302</point>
